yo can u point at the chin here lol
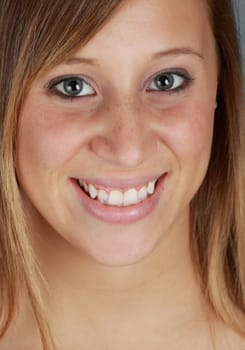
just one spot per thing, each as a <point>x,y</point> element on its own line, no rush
<point>118,247</point>
<point>120,259</point>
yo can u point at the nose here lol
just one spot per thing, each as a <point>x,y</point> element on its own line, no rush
<point>127,139</point>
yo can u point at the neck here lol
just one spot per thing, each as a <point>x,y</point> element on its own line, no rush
<point>162,287</point>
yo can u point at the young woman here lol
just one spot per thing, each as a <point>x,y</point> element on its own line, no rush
<point>122,176</point>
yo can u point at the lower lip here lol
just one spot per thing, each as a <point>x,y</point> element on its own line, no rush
<point>120,215</point>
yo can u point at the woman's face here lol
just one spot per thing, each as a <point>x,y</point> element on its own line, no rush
<point>114,143</point>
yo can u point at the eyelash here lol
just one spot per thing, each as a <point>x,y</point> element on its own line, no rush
<point>167,75</point>
<point>52,87</point>
<point>178,74</point>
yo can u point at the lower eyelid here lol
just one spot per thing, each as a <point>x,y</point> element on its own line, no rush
<point>180,73</point>
<point>186,83</point>
<point>51,86</point>
<point>179,90</point>
<point>52,89</point>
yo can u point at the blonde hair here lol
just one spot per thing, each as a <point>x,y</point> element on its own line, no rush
<point>218,210</point>
<point>35,36</point>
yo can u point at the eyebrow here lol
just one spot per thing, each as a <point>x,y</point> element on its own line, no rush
<point>179,51</point>
<point>171,52</point>
<point>79,60</point>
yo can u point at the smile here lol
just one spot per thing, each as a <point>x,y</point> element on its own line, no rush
<point>118,201</point>
<point>118,197</point>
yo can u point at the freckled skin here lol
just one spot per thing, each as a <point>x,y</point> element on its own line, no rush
<point>122,286</point>
<point>123,130</point>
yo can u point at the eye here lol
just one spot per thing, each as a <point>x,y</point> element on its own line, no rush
<point>169,81</point>
<point>72,87</point>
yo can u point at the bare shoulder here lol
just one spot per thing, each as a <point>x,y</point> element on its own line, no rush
<point>21,336</point>
<point>228,339</point>
<point>13,341</point>
<point>237,342</point>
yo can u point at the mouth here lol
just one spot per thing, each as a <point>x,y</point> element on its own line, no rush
<point>119,201</point>
<point>116,196</point>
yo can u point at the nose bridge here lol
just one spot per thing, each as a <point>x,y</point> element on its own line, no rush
<point>126,118</point>
<point>128,129</point>
<point>128,136</point>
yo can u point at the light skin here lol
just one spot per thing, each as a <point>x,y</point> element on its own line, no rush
<point>124,286</point>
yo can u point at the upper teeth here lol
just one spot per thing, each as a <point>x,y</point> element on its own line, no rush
<point>117,197</point>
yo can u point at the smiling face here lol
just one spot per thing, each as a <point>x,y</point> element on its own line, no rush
<point>128,121</point>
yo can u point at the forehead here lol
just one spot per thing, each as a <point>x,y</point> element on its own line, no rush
<point>146,24</point>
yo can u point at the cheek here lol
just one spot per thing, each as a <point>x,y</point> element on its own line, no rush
<point>49,138</point>
<point>188,130</point>
<point>187,133</point>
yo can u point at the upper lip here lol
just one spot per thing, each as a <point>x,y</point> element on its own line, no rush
<point>122,183</point>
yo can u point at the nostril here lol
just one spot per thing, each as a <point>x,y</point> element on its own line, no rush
<point>125,143</point>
